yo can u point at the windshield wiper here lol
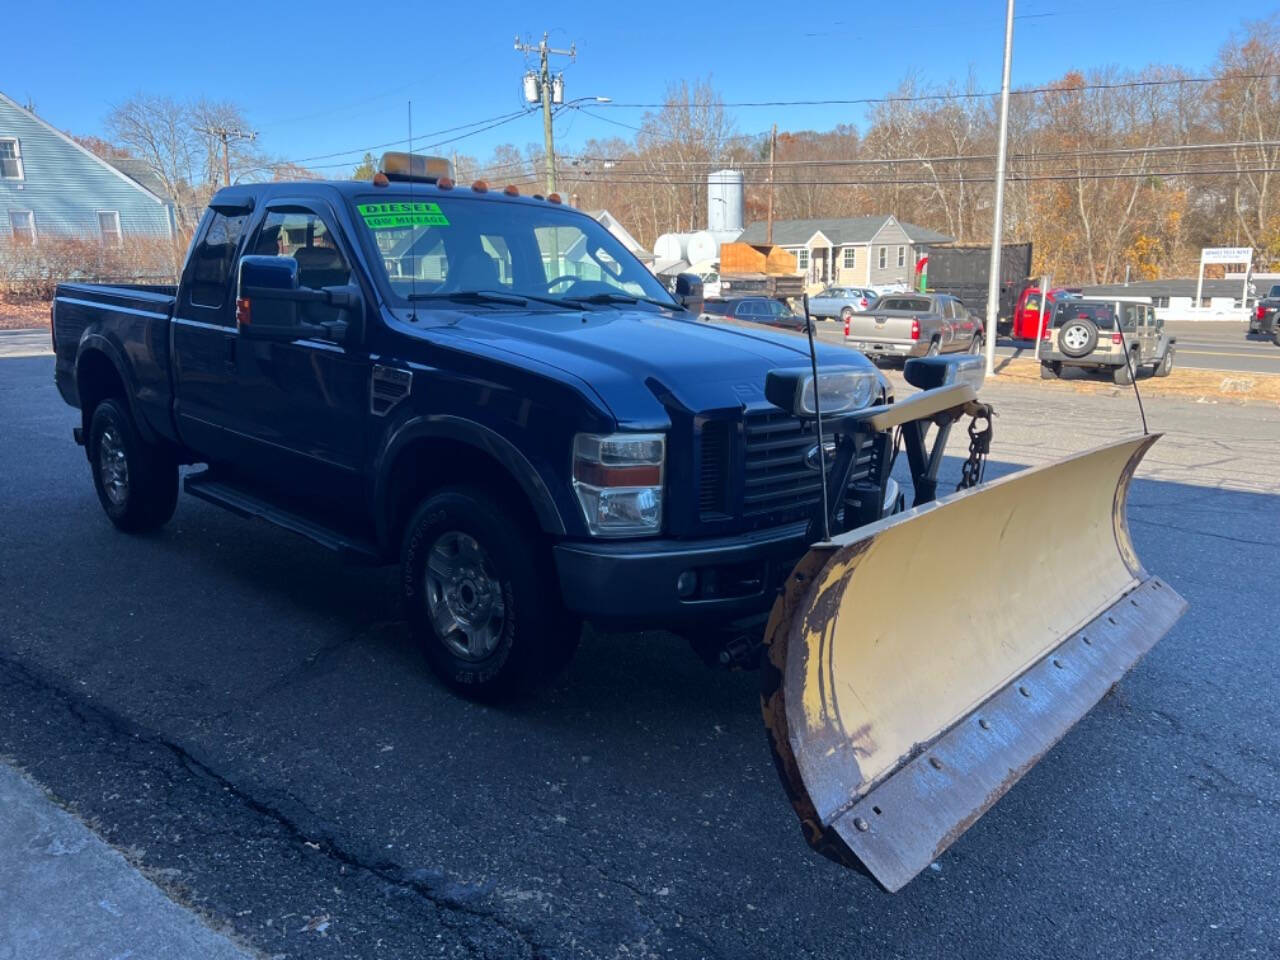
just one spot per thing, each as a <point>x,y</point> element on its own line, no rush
<point>471,296</point>
<point>621,298</point>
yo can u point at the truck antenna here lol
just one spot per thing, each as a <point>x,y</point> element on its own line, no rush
<point>817,416</point>
<point>413,269</point>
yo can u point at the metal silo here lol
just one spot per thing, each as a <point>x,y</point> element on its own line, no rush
<point>724,201</point>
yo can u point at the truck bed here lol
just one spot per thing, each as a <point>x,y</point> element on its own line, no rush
<point>113,316</point>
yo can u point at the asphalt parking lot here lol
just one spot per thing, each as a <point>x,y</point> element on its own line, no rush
<point>249,723</point>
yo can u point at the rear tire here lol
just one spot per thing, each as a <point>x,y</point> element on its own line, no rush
<point>846,313</point>
<point>935,348</point>
<point>481,596</point>
<point>975,345</point>
<point>137,482</point>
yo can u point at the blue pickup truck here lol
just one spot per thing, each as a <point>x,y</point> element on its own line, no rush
<point>483,387</point>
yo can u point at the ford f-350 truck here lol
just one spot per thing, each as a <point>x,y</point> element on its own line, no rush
<point>490,390</point>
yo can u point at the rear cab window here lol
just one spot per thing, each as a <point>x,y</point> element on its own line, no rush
<point>917,304</point>
<point>1101,314</point>
<point>211,260</point>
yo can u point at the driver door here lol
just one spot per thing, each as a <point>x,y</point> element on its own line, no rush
<point>303,405</point>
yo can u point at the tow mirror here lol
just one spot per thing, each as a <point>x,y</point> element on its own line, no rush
<point>267,300</point>
<point>689,292</point>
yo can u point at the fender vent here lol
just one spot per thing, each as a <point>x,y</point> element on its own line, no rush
<point>388,387</point>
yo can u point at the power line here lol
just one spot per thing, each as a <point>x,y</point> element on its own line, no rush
<point>954,158</point>
<point>928,182</point>
<point>916,98</point>
<point>491,121</point>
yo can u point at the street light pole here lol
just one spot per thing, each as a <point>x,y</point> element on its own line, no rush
<point>997,230</point>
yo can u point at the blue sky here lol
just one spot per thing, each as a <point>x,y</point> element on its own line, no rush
<point>324,76</point>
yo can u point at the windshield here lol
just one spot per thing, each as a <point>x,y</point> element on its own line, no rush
<point>453,246</point>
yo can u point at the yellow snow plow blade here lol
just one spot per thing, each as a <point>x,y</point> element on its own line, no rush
<point>919,666</point>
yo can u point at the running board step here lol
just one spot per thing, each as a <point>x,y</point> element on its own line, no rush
<point>240,501</point>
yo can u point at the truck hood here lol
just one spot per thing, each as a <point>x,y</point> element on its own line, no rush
<point>643,364</point>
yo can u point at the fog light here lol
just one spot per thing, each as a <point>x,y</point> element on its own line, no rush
<point>687,583</point>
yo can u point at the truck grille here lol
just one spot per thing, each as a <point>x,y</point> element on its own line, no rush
<point>777,481</point>
<point>713,469</point>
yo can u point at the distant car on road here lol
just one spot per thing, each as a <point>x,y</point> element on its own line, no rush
<point>1266,316</point>
<point>765,310</point>
<point>914,325</point>
<point>1117,333</point>
<point>842,302</point>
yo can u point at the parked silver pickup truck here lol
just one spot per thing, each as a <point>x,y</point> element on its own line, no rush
<point>914,325</point>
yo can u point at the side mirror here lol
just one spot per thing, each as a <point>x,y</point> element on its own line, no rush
<point>689,292</point>
<point>267,298</point>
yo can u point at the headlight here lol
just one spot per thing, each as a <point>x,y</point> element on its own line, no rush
<point>618,480</point>
<point>839,391</point>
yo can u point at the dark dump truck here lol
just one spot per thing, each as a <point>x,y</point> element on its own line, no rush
<point>964,272</point>
<point>492,392</point>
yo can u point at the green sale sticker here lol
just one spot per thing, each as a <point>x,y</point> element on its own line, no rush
<point>387,216</point>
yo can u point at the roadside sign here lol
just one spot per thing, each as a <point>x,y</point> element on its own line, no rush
<point>1225,255</point>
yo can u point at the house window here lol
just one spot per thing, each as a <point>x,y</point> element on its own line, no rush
<point>883,257</point>
<point>23,225</point>
<point>109,225</point>
<point>902,256</point>
<point>10,159</point>
<point>850,257</point>
<point>1160,302</point>
<point>802,258</point>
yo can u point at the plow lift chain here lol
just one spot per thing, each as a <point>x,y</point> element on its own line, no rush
<point>979,446</point>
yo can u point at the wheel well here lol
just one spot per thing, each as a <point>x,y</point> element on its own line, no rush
<point>96,380</point>
<point>430,464</point>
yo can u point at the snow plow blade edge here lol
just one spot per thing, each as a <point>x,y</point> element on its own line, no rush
<point>918,667</point>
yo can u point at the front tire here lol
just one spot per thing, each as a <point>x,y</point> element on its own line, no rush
<point>137,482</point>
<point>1123,374</point>
<point>481,597</point>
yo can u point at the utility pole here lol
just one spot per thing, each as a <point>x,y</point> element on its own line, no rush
<point>545,52</point>
<point>997,230</point>
<point>773,146</point>
<point>226,135</point>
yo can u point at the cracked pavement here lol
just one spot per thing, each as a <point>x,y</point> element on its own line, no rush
<point>249,723</point>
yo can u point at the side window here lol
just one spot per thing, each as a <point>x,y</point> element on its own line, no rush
<point>883,260</point>
<point>747,308</point>
<point>1129,316</point>
<point>212,259</point>
<point>303,236</point>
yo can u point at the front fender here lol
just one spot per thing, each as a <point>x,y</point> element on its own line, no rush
<point>482,438</point>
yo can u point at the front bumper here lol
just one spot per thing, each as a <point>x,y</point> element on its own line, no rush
<point>892,348</point>
<point>634,583</point>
